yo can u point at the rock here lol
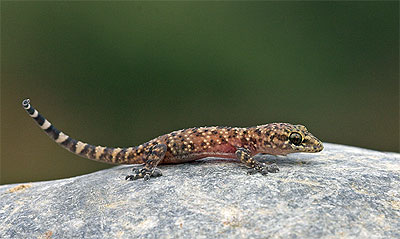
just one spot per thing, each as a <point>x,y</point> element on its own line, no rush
<point>341,192</point>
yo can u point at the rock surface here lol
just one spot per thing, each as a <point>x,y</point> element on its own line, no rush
<point>341,192</point>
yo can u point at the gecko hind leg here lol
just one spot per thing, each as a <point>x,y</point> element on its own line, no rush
<point>254,166</point>
<point>149,169</point>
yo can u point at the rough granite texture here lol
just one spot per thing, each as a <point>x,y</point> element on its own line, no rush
<point>342,192</point>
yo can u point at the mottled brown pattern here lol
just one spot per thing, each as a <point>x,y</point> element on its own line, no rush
<point>195,143</point>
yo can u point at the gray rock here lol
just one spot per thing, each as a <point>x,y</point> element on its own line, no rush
<point>342,192</point>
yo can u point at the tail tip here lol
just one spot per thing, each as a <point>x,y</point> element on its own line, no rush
<point>26,103</point>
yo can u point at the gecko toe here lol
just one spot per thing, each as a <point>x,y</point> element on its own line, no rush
<point>273,168</point>
<point>263,169</point>
<point>130,177</point>
<point>143,173</point>
<point>251,171</point>
<point>156,173</point>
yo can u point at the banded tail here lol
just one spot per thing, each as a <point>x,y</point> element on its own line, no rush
<point>98,153</point>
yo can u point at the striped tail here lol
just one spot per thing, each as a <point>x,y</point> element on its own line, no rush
<point>98,153</point>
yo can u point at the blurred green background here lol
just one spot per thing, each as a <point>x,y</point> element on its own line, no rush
<point>121,73</point>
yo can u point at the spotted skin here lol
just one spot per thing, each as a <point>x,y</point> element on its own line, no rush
<point>192,144</point>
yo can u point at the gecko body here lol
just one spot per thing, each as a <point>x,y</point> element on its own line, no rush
<point>192,144</point>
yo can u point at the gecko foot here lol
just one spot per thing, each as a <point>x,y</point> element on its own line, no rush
<point>264,169</point>
<point>143,173</point>
<point>272,168</point>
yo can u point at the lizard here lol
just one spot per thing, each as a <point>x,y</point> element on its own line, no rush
<point>192,144</point>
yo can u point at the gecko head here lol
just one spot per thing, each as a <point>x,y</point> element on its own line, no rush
<point>300,140</point>
<point>286,138</point>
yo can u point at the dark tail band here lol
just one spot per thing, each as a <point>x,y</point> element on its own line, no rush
<point>98,153</point>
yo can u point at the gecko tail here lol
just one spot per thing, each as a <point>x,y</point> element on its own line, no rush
<point>97,153</point>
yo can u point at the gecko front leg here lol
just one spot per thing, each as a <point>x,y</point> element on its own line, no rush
<point>255,166</point>
<point>157,153</point>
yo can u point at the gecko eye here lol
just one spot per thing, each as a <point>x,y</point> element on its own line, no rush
<point>295,138</point>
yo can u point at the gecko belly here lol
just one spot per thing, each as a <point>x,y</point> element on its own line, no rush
<point>196,156</point>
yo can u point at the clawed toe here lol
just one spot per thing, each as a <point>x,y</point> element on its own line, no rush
<point>130,177</point>
<point>143,173</point>
<point>251,171</point>
<point>273,168</point>
<point>263,169</point>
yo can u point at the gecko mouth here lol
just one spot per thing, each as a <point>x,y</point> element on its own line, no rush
<point>315,148</point>
<point>309,148</point>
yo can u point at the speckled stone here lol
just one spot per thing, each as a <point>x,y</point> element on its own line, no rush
<point>341,192</point>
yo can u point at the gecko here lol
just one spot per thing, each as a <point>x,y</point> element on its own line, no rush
<point>192,144</point>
